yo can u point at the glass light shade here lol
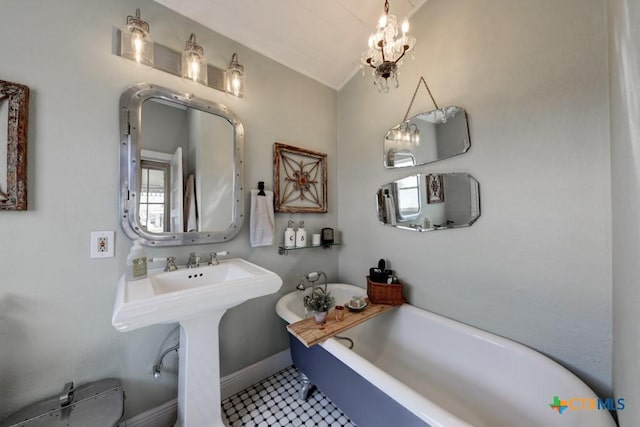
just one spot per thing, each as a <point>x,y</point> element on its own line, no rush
<point>235,80</point>
<point>194,64</point>
<point>386,76</point>
<point>136,44</point>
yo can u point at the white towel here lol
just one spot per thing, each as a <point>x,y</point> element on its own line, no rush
<point>262,224</point>
<point>191,223</point>
<point>391,210</point>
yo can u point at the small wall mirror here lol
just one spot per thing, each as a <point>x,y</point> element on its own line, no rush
<point>427,202</point>
<point>427,137</point>
<point>181,168</point>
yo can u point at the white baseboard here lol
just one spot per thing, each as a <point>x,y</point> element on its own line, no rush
<point>163,415</point>
<point>166,414</point>
<point>252,374</point>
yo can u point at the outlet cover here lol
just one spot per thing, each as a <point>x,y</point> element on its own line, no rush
<point>102,244</point>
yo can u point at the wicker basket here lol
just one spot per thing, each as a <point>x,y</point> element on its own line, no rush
<point>382,293</point>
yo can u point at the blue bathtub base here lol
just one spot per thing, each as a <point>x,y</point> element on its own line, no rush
<point>361,401</point>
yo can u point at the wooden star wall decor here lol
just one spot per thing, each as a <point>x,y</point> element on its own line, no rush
<point>300,179</point>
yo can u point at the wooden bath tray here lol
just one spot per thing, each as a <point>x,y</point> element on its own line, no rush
<point>310,333</point>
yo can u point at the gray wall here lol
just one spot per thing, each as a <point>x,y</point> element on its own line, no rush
<point>55,302</point>
<point>536,267</point>
<point>624,45</point>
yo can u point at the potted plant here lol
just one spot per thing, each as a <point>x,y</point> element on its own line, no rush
<point>319,302</point>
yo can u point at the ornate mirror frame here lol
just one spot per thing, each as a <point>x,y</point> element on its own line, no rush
<point>131,103</point>
<point>14,197</point>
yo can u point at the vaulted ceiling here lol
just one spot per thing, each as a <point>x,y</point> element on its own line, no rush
<point>322,39</point>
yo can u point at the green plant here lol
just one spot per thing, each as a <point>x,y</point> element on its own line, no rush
<point>319,300</point>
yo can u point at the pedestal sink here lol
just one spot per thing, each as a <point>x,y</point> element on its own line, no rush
<point>196,298</point>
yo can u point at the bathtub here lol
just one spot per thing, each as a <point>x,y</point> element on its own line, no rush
<point>411,367</point>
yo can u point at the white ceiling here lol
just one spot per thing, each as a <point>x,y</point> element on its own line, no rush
<point>322,39</point>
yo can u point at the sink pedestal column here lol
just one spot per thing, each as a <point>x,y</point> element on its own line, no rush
<point>199,372</point>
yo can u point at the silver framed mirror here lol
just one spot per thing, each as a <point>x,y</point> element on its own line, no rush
<point>427,137</point>
<point>428,202</point>
<point>181,168</point>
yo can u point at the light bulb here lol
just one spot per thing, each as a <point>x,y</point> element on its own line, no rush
<point>195,68</point>
<point>194,65</point>
<point>135,42</point>
<point>405,27</point>
<point>235,85</point>
<point>235,77</point>
<point>383,21</point>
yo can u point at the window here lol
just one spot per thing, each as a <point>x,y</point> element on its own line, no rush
<point>153,196</point>
<point>408,198</point>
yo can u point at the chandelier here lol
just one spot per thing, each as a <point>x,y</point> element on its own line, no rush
<point>386,49</point>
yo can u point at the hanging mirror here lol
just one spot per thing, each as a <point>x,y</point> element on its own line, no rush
<point>426,137</point>
<point>180,168</point>
<point>427,202</point>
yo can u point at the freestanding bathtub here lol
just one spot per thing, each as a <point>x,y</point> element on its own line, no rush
<point>411,367</point>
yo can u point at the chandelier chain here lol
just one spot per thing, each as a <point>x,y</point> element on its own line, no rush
<point>422,80</point>
<point>386,7</point>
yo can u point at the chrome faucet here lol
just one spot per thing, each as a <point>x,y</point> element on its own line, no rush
<point>171,264</point>
<point>312,278</point>
<point>193,261</point>
<point>214,257</point>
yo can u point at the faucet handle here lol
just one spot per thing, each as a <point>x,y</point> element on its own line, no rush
<point>214,257</point>
<point>171,264</point>
<point>193,260</point>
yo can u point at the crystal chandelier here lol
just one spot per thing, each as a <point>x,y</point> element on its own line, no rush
<point>386,49</point>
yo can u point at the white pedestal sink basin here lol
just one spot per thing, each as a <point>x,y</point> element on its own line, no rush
<point>196,298</point>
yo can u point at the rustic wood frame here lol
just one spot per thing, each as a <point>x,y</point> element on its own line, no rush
<point>17,95</point>
<point>315,172</point>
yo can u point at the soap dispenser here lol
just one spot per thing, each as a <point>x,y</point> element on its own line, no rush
<point>301,236</point>
<point>136,262</point>
<point>289,236</point>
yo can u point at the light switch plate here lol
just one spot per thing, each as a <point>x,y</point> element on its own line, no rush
<point>102,244</point>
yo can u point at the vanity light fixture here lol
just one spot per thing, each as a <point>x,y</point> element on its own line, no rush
<point>408,133</point>
<point>136,43</point>
<point>235,77</point>
<point>386,49</point>
<point>194,65</point>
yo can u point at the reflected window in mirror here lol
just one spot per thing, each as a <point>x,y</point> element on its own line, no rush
<point>408,194</point>
<point>153,199</point>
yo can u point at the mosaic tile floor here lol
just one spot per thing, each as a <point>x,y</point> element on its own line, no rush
<point>273,402</point>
